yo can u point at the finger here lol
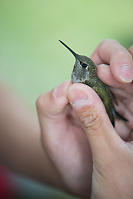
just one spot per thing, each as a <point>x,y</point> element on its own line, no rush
<point>51,108</point>
<point>101,134</point>
<point>120,61</point>
<point>104,73</point>
<point>52,104</point>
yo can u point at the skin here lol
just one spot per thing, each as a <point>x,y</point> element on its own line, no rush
<point>20,148</point>
<point>69,133</point>
<point>78,136</point>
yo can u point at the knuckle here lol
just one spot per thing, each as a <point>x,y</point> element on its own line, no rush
<point>121,53</point>
<point>91,119</point>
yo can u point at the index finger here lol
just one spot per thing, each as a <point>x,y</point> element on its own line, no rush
<point>120,60</point>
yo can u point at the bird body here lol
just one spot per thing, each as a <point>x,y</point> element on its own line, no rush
<point>85,71</point>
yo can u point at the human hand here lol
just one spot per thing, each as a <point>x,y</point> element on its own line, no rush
<point>112,175</point>
<point>74,164</point>
<point>112,156</point>
<point>115,68</point>
<point>64,140</point>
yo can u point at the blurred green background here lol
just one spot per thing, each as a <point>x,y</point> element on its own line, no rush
<point>32,60</point>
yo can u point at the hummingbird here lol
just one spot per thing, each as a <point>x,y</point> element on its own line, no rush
<point>85,71</point>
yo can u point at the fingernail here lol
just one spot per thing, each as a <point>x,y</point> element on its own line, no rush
<point>126,73</point>
<point>78,99</point>
<point>60,90</point>
<point>102,65</point>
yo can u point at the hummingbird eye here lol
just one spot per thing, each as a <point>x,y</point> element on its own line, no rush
<point>83,64</point>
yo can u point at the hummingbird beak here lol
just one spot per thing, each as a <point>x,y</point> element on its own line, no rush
<point>75,55</point>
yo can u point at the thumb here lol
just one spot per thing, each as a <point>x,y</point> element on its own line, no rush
<point>51,108</point>
<point>90,109</point>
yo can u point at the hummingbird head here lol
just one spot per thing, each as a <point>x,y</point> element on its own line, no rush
<point>84,67</point>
